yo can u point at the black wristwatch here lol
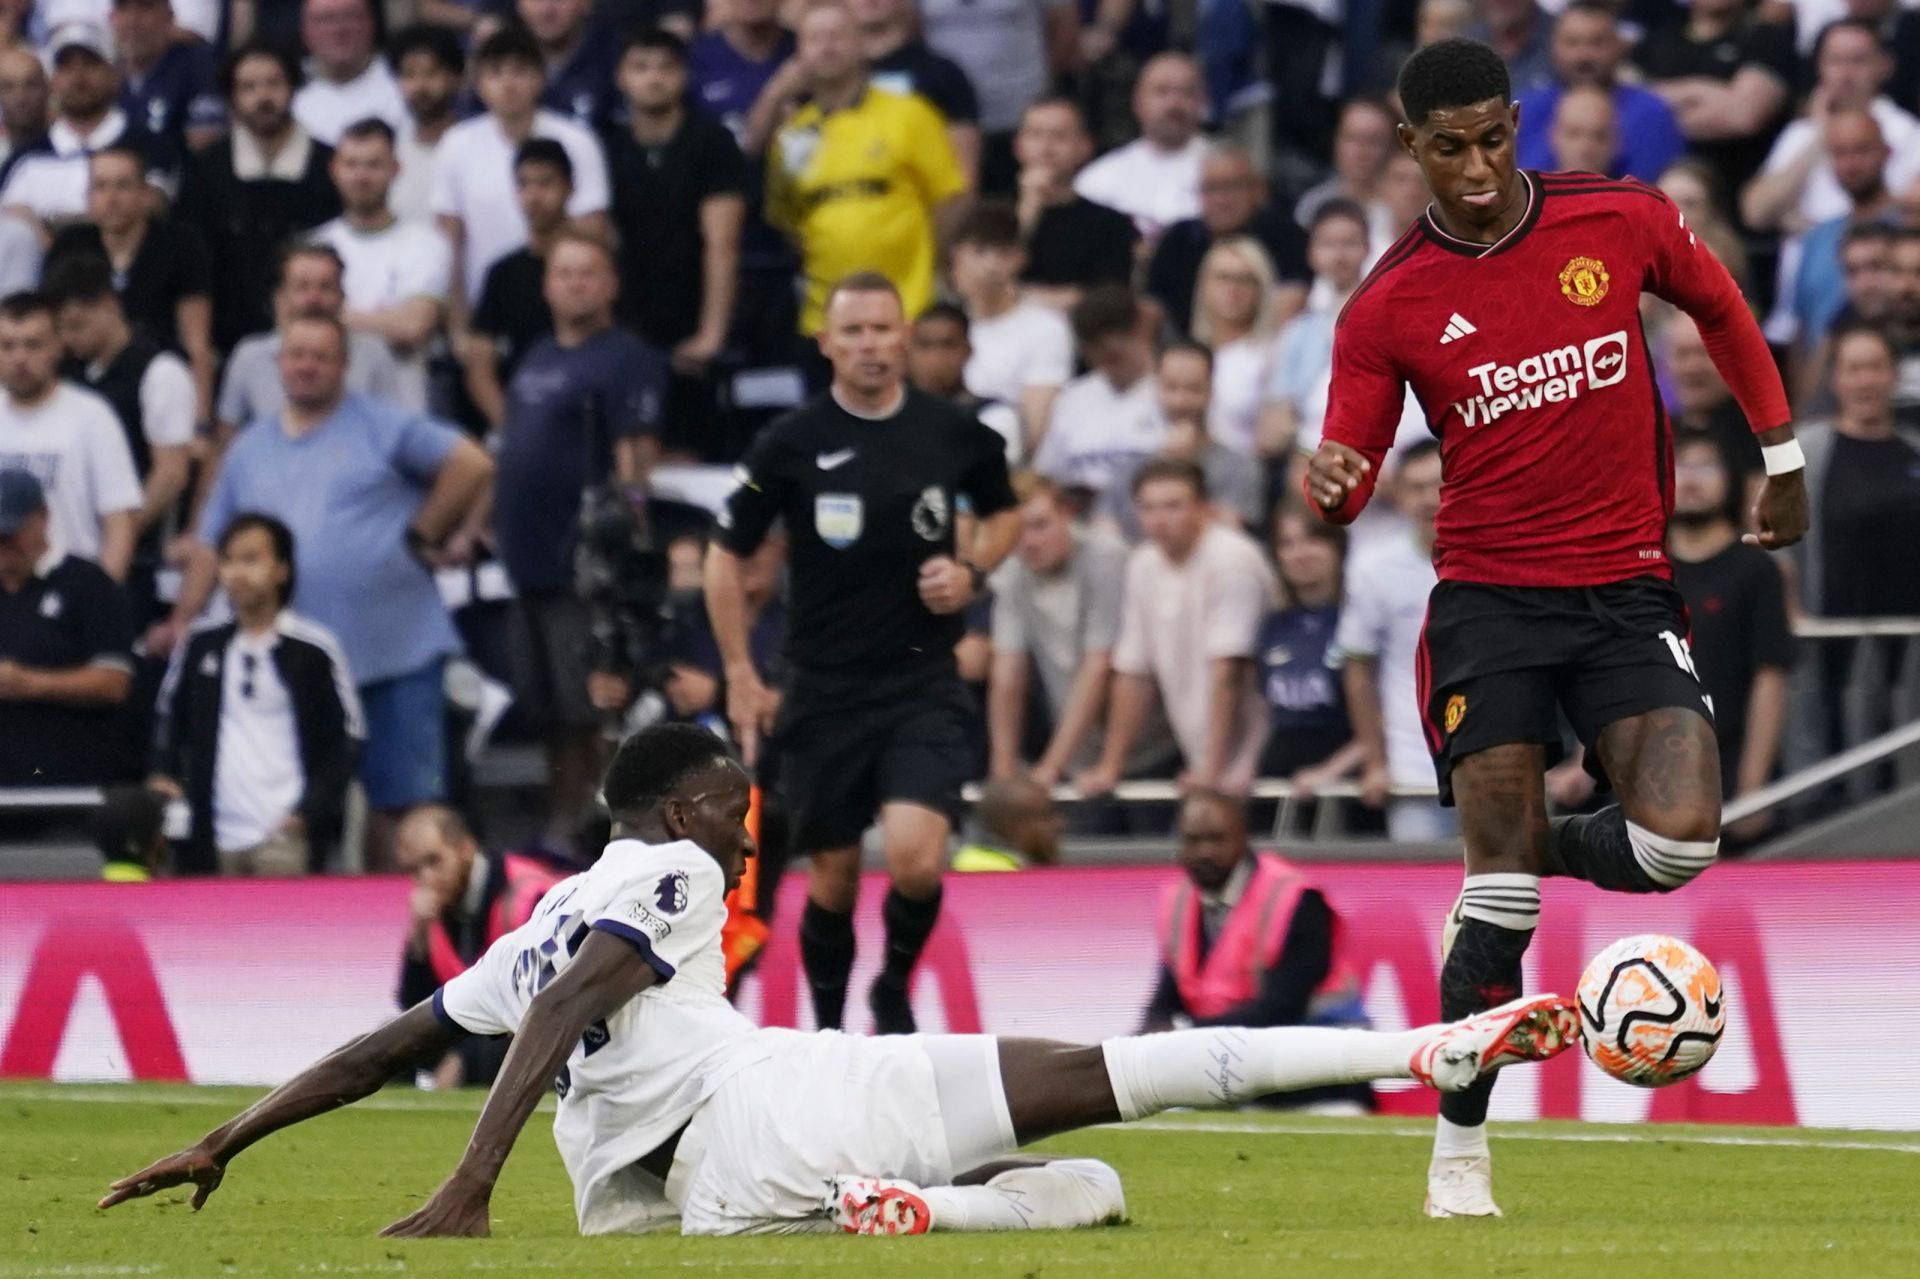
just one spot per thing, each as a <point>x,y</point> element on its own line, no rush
<point>978,574</point>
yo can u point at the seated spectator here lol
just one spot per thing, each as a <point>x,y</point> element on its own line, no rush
<point>397,275</point>
<point>463,901</point>
<point>1296,391</point>
<point>474,179</point>
<point>1233,205</point>
<point>23,106</point>
<point>49,184</point>
<point>256,190</point>
<point>1736,602</point>
<point>1106,421</point>
<point>68,438</point>
<point>583,411</point>
<point>1309,739</point>
<point>1072,242</point>
<point>1015,826</point>
<point>403,492</point>
<point>1247,940</point>
<point>151,394</point>
<point>430,68</point>
<point>1195,593</point>
<point>1184,378</point>
<point>900,61</point>
<point>1695,190</point>
<point>1233,316</point>
<point>158,265</point>
<point>1363,142</point>
<point>167,84</point>
<point>1377,646</point>
<point>1585,134</point>
<point>512,314</point>
<point>259,725</point>
<point>1155,179</point>
<point>1587,51</point>
<point>1056,617</point>
<point>347,79</point>
<point>1521,33</point>
<point>1729,77</point>
<point>1022,351</point>
<point>939,349</point>
<point>66,648</point>
<point>129,830</point>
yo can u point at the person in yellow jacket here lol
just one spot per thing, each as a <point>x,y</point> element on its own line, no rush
<point>1016,826</point>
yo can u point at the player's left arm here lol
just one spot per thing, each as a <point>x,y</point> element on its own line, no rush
<point>341,1078</point>
<point>1686,273</point>
<point>606,973</point>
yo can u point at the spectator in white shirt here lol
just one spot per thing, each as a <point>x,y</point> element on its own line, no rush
<point>1196,594</point>
<point>67,438</point>
<point>1022,350</point>
<point>1234,317</point>
<point>347,79</point>
<point>50,185</point>
<point>1296,391</point>
<point>1105,422</point>
<point>398,273</point>
<point>1183,377</point>
<point>1377,644</point>
<point>430,67</point>
<point>473,187</point>
<point>1155,179</point>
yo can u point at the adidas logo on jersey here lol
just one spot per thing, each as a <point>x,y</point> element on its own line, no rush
<point>1458,327</point>
<point>1552,377</point>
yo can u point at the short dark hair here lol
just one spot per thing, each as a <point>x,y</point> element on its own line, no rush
<point>124,150</point>
<point>1059,100</point>
<point>261,47</point>
<point>1595,8</point>
<point>278,533</point>
<point>1862,25</point>
<point>649,764</point>
<point>948,312</point>
<point>1187,346</point>
<point>544,151</point>
<point>24,305</point>
<point>80,277</point>
<point>310,249</point>
<point>1340,207</point>
<point>437,42</point>
<point>861,282</point>
<point>511,43</point>
<point>1455,72</point>
<point>1104,311</point>
<point>1171,468</point>
<point>1862,328</point>
<point>1867,232</point>
<point>656,39</point>
<point>990,224</point>
<point>371,127</point>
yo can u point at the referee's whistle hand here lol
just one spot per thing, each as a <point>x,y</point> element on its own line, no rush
<point>1334,472</point>
<point>945,585</point>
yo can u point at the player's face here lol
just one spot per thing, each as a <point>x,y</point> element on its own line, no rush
<point>1699,482</point>
<point>85,327</point>
<point>1186,386</point>
<point>543,193</point>
<point>1211,844</point>
<point>1308,564</point>
<point>1864,376</point>
<point>1417,490</point>
<point>251,573</point>
<point>116,192</point>
<point>363,169</point>
<point>710,808</point>
<point>1046,534</point>
<point>937,357</point>
<point>29,354</point>
<point>1171,515</point>
<point>1466,157</point>
<point>428,87</point>
<point>580,283</point>
<point>1337,251</point>
<point>866,341</point>
<point>652,79</point>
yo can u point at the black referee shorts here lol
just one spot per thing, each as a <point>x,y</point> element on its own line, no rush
<point>1496,663</point>
<point>849,745</point>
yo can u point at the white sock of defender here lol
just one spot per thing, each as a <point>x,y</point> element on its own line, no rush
<point>1065,1194</point>
<point>1229,1065</point>
<point>1507,900</point>
<point>1671,862</point>
<point>1457,1141</point>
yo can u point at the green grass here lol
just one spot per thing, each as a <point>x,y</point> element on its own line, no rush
<point>1272,1196</point>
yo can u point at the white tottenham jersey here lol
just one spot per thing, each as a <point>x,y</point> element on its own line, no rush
<point>637,1076</point>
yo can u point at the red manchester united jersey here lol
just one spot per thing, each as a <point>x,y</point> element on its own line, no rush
<point>1530,362</point>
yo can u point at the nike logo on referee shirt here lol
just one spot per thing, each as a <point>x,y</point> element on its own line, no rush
<point>828,461</point>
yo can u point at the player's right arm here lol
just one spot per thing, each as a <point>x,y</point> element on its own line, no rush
<point>1364,404</point>
<point>749,513</point>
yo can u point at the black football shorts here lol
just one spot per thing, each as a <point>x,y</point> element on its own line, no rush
<point>1497,664</point>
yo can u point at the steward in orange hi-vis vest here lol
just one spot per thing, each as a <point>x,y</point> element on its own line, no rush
<point>525,880</point>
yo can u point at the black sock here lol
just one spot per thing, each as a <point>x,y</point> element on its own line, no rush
<point>908,924</point>
<point>826,952</point>
<point>1595,847</point>
<point>1482,970</point>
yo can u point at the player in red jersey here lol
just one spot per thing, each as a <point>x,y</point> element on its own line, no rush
<point>1512,310</point>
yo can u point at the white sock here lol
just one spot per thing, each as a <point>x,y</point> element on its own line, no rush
<point>1457,1141</point>
<point>1506,900</point>
<point>1228,1065</point>
<point>1064,1194</point>
<point>1670,862</point>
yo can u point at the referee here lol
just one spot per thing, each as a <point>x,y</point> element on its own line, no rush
<point>871,479</point>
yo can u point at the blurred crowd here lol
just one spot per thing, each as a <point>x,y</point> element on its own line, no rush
<point>337,336</point>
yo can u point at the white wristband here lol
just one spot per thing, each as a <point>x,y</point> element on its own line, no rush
<point>1781,458</point>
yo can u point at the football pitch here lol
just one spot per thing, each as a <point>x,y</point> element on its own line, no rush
<point>1243,1195</point>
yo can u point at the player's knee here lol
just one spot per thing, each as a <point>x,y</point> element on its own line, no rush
<point>834,883</point>
<point>1674,853</point>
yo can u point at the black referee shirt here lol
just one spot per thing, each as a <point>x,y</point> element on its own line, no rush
<point>68,614</point>
<point>866,502</point>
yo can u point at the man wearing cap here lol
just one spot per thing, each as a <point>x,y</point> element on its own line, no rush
<point>50,183</point>
<point>66,660</point>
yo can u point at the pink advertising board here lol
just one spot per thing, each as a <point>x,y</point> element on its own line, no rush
<point>245,982</point>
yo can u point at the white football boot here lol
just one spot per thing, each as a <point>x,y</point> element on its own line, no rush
<point>877,1206</point>
<point>1460,1186</point>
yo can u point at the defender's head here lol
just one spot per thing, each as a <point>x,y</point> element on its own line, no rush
<point>676,781</point>
<point>1460,126</point>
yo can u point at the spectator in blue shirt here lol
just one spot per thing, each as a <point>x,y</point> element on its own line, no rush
<point>376,496</point>
<point>1587,51</point>
<point>168,86</point>
<point>1310,740</point>
<point>580,57</point>
<point>583,407</point>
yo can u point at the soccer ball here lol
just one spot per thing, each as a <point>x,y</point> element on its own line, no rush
<point>1651,1010</point>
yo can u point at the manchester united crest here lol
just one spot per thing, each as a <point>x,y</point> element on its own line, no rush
<point>1584,281</point>
<point>1456,711</point>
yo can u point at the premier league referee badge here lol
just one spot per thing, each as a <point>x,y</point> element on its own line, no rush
<point>930,513</point>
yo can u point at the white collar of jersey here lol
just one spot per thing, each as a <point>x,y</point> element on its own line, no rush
<point>1482,250</point>
<point>289,164</point>
<point>68,141</point>
<point>881,416</point>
